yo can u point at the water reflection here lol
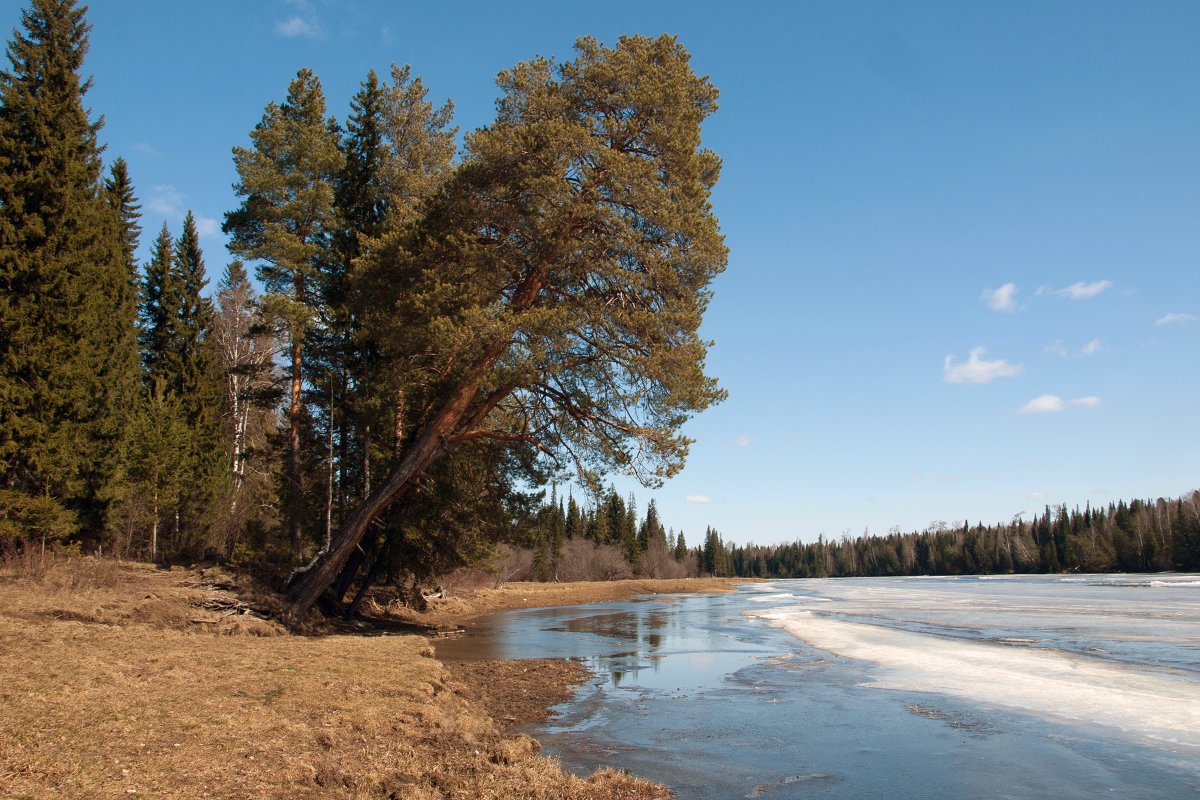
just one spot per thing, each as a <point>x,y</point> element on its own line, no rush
<point>643,643</point>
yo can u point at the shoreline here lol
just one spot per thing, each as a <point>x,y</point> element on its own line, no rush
<point>458,609</point>
<point>169,684</point>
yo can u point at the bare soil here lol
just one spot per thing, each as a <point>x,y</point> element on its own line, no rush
<point>123,680</point>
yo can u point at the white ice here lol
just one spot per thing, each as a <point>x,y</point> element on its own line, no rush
<point>925,636</point>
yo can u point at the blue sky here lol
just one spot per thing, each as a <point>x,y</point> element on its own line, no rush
<point>964,236</point>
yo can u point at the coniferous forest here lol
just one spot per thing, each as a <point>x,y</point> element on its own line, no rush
<point>414,335</point>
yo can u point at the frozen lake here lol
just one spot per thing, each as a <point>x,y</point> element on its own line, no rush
<point>971,687</point>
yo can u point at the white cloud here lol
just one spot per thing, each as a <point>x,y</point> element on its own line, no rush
<point>207,226</point>
<point>1045,404</point>
<point>1052,403</point>
<point>1175,319</point>
<point>1092,347</point>
<point>1057,348</point>
<point>297,26</point>
<point>164,200</point>
<point>976,370</point>
<point>1080,290</point>
<point>698,498</point>
<point>743,441</point>
<point>1002,299</point>
<point>914,477</point>
<point>147,148</point>
<point>1038,495</point>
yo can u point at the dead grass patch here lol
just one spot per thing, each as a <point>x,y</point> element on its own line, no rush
<point>115,691</point>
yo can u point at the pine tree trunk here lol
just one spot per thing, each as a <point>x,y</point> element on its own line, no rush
<point>368,579</point>
<point>309,582</point>
<point>398,424</point>
<point>154,529</point>
<point>294,456</point>
<point>329,488</point>
<point>366,455</point>
<point>308,585</point>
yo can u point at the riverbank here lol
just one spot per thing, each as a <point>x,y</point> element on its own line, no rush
<point>459,607</point>
<point>126,680</point>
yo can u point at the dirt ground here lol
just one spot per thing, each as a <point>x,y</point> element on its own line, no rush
<point>123,680</point>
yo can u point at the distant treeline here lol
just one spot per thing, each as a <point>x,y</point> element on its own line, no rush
<point>1138,536</point>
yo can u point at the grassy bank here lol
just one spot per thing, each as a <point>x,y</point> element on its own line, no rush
<point>125,680</point>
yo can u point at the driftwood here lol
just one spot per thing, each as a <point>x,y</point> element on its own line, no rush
<point>227,606</point>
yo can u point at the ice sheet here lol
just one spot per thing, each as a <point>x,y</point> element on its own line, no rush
<point>1119,651</point>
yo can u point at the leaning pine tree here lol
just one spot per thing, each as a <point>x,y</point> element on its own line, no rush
<point>551,297</point>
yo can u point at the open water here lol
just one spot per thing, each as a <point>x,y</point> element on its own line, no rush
<point>1078,686</point>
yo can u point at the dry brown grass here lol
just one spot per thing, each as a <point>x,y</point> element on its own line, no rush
<point>110,687</point>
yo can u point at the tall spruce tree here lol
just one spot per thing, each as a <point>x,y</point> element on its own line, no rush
<point>399,149</point>
<point>119,192</point>
<point>125,385</point>
<point>286,182</point>
<point>199,381</point>
<point>199,386</point>
<point>361,203</point>
<point>161,299</point>
<point>63,351</point>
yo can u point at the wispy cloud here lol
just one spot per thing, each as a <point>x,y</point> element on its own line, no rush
<point>1057,348</point>
<point>164,200</point>
<point>1092,347</point>
<point>743,441</point>
<point>147,148</point>
<point>698,498</point>
<point>298,26</point>
<point>1079,291</point>
<point>1052,403</point>
<point>1002,299</point>
<point>978,370</point>
<point>1038,495</point>
<point>1175,319</point>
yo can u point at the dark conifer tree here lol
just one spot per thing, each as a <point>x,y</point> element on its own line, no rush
<point>681,549</point>
<point>162,298</point>
<point>198,385</point>
<point>197,382</point>
<point>361,202</point>
<point>62,368</point>
<point>119,192</point>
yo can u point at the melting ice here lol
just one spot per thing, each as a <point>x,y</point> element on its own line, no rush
<point>1120,651</point>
